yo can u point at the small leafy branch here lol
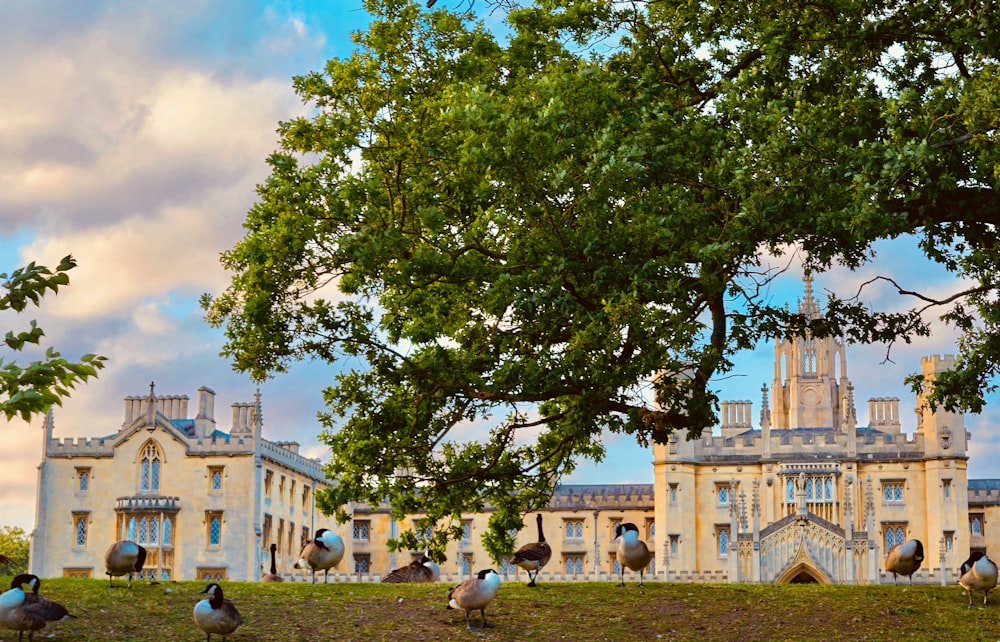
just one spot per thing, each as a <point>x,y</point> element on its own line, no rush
<point>28,390</point>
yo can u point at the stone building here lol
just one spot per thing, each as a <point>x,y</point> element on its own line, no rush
<point>808,494</point>
<point>805,495</point>
<point>204,503</point>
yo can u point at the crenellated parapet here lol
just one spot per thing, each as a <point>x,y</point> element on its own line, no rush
<point>602,497</point>
<point>284,455</point>
<point>221,444</point>
<point>817,442</point>
<point>80,447</point>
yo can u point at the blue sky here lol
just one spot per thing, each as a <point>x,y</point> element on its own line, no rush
<point>133,136</point>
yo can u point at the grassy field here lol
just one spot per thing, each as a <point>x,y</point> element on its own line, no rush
<point>553,611</point>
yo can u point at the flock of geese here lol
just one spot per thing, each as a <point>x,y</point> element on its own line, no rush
<point>978,573</point>
<point>23,609</point>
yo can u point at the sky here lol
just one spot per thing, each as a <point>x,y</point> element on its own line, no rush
<point>133,136</point>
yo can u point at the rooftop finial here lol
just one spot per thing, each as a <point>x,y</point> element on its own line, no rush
<point>808,306</point>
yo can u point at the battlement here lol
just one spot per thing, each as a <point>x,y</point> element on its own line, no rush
<point>937,363</point>
<point>221,444</point>
<point>602,497</point>
<point>80,447</point>
<point>280,453</point>
<point>813,442</point>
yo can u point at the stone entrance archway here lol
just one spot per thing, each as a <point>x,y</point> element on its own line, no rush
<point>803,570</point>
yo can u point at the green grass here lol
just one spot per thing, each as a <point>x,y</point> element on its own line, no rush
<point>552,611</point>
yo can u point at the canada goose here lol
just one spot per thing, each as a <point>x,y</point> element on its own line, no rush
<point>27,611</point>
<point>422,569</point>
<point>322,553</point>
<point>215,614</point>
<point>533,556</point>
<point>475,593</point>
<point>273,575</point>
<point>905,559</point>
<point>978,573</point>
<point>632,551</point>
<point>124,558</point>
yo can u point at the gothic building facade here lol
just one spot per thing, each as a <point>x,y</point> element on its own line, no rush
<point>805,495</point>
<point>810,495</point>
<point>204,503</point>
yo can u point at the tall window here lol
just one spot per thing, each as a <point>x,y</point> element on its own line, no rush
<point>650,530</point>
<point>946,485</point>
<point>362,528</point>
<point>80,529</point>
<point>83,480</point>
<point>466,530</point>
<point>466,563</point>
<point>215,474</point>
<point>267,531</point>
<point>949,540</point>
<point>789,490</point>
<point>213,522</point>
<point>573,565</point>
<point>895,533</point>
<point>168,527</point>
<point>149,468</point>
<point>614,524</point>
<point>305,497</point>
<point>722,492</point>
<point>268,481</point>
<point>674,541</point>
<point>574,529</point>
<point>892,491</point>
<point>722,534</point>
<point>977,524</point>
<point>616,567</point>
<point>291,538</point>
<point>673,493</point>
<point>427,530</point>
<point>362,563</point>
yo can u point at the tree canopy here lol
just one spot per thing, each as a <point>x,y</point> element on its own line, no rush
<point>29,390</point>
<point>15,550</point>
<point>553,228</point>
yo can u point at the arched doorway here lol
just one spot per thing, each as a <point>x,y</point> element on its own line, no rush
<point>803,570</point>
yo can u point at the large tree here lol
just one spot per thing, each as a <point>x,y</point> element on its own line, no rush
<point>558,231</point>
<point>31,389</point>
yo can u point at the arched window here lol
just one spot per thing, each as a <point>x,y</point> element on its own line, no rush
<point>724,541</point>
<point>149,468</point>
<point>790,490</point>
<point>828,486</point>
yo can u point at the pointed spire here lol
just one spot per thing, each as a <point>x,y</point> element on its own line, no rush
<point>809,307</point>
<point>765,408</point>
<point>850,412</point>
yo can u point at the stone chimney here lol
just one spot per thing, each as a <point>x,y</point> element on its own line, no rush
<point>204,422</point>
